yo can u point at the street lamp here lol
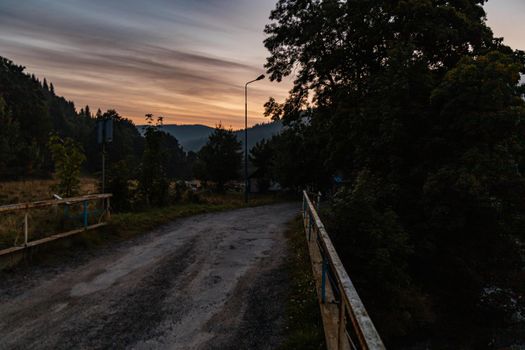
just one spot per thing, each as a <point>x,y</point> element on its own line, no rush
<point>260,77</point>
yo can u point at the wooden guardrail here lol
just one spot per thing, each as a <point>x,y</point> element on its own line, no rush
<point>66,202</point>
<point>345,320</point>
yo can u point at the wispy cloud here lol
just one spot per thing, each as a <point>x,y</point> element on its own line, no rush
<point>186,60</point>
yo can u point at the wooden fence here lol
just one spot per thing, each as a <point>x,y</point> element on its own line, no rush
<point>345,320</point>
<point>67,203</point>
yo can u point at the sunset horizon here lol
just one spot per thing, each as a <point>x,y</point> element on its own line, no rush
<point>165,59</point>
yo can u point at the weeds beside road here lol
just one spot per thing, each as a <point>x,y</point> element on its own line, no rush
<point>304,326</point>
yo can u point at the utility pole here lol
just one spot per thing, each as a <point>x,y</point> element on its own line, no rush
<point>104,135</point>
<point>104,167</point>
<point>260,77</point>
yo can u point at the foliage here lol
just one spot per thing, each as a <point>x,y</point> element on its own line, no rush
<point>154,182</point>
<point>30,110</point>
<point>118,184</point>
<point>297,161</point>
<point>261,156</point>
<point>68,157</point>
<point>358,217</point>
<point>9,140</point>
<point>304,326</point>
<point>418,108</point>
<point>127,144</point>
<point>220,159</point>
<point>34,112</point>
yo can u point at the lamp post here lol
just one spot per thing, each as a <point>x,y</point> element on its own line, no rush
<point>260,77</point>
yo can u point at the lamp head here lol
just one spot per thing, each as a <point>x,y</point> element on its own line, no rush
<point>260,77</point>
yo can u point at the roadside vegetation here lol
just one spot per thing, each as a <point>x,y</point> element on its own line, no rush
<point>122,225</point>
<point>304,326</point>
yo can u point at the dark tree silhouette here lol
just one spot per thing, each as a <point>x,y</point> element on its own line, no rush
<point>261,156</point>
<point>418,108</point>
<point>220,159</point>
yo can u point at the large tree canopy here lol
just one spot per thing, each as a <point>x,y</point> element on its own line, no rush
<point>420,109</point>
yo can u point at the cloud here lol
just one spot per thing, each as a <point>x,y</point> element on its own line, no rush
<point>186,60</point>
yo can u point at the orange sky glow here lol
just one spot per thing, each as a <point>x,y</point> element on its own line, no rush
<point>184,60</point>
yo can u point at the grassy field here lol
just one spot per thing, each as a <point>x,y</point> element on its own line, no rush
<point>304,329</point>
<point>35,190</point>
<point>43,221</point>
<point>47,221</point>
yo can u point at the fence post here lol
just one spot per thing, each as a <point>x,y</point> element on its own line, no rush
<point>26,227</point>
<point>108,208</point>
<point>323,280</point>
<point>318,204</point>
<point>342,325</point>
<point>85,213</point>
<point>310,227</point>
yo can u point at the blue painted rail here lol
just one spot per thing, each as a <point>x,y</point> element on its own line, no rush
<point>97,215</point>
<point>346,322</point>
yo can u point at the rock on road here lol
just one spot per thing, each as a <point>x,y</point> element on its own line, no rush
<point>212,281</point>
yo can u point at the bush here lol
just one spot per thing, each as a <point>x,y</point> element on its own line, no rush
<point>375,250</point>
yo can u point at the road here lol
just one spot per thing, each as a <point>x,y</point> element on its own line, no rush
<point>213,281</point>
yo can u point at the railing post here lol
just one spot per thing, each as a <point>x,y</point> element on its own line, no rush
<point>307,218</point>
<point>342,325</point>
<point>348,302</point>
<point>26,227</point>
<point>310,227</point>
<point>85,214</point>
<point>304,205</point>
<point>323,280</point>
<point>108,213</point>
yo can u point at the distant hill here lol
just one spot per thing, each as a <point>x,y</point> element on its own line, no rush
<point>193,137</point>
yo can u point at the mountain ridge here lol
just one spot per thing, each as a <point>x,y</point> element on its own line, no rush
<point>193,136</point>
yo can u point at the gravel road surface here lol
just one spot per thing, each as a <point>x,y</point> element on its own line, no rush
<point>213,281</point>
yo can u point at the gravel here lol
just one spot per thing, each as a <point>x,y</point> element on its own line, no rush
<point>213,281</point>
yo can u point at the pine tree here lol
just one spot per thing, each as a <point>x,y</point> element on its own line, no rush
<point>87,112</point>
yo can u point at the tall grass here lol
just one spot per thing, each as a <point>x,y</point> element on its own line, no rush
<point>35,190</point>
<point>45,221</point>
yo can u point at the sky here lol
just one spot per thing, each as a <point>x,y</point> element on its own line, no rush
<point>186,60</point>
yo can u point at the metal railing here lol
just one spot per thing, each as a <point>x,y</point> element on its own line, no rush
<point>85,216</point>
<point>345,320</point>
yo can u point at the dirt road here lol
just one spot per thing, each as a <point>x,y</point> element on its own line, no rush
<point>213,281</point>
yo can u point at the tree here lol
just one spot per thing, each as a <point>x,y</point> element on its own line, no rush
<point>87,112</point>
<point>68,157</point>
<point>154,183</point>
<point>261,156</point>
<point>221,157</point>
<point>423,99</point>
<point>9,141</point>
<point>297,161</point>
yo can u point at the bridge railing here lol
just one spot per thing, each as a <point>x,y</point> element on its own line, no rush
<point>345,319</point>
<point>89,217</point>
